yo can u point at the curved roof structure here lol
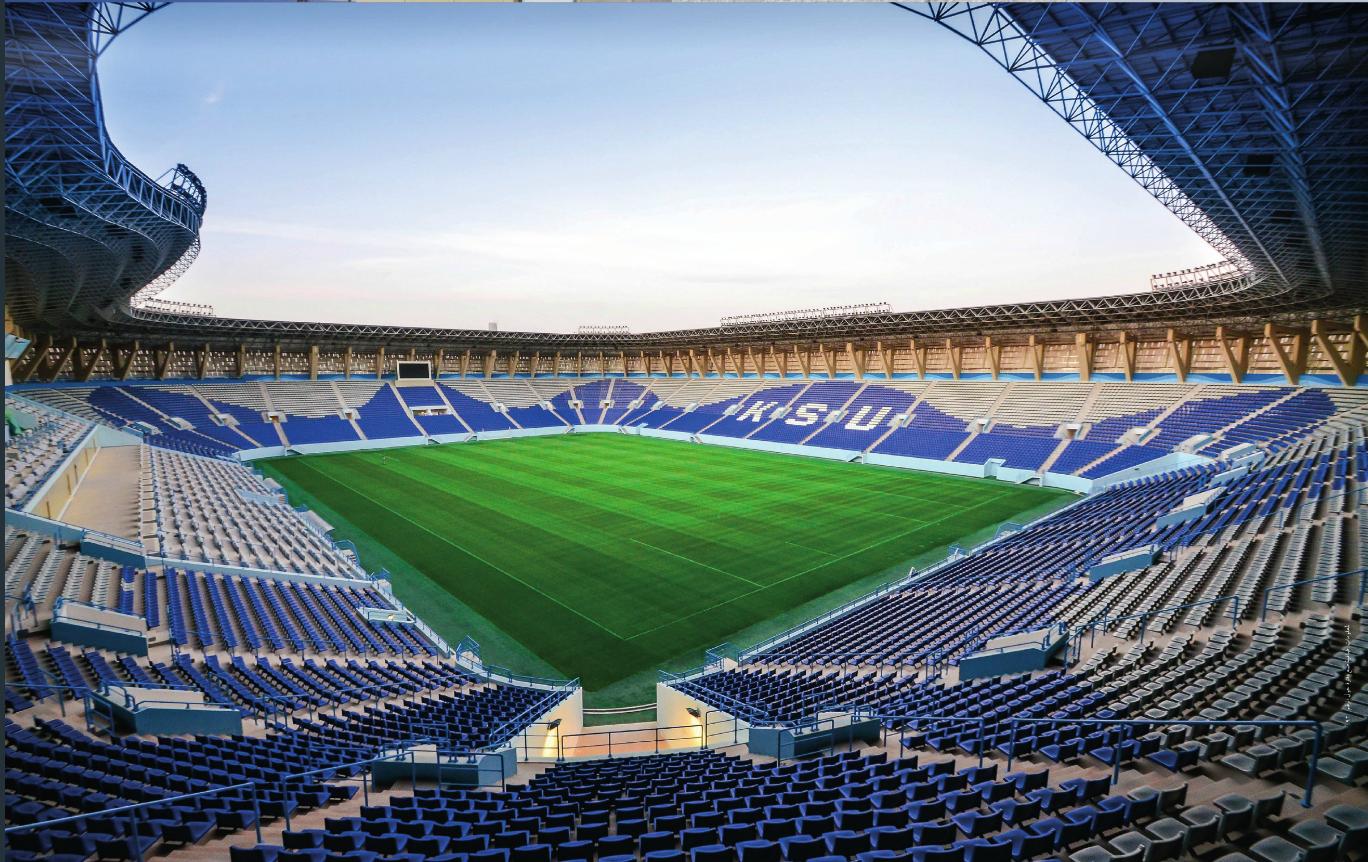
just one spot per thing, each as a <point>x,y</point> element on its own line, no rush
<point>85,229</point>
<point>1246,120</point>
<point>1257,112</point>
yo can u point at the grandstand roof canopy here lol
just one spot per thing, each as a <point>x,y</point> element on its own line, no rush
<point>1249,121</point>
<point>1257,112</point>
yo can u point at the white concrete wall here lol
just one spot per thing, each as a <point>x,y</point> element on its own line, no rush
<point>509,433</point>
<point>781,448</point>
<point>1076,484</point>
<point>223,568</point>
<point>672,710</point>
<point>1164,464</point>
<point>661,433</point>
<point>354,445</point>
<point>263,452</point>
<point>954,468</point>
<point>537,744</point>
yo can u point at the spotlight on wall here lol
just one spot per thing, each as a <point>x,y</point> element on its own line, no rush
<point>552,725</point>
<point>693,710</point>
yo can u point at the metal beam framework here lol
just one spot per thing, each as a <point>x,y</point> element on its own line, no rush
<point>1326,348</point>
<point>85,229</point>
<point>1248,121</point>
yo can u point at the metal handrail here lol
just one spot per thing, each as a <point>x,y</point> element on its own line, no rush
<point>133,810</point>
<point>655,737</point>
<point>1184,722</point>
<point>406,750</point>
<point>621,710</point>
<point>180,704</point>
<point>911,578</point>
<point>1101,622</point>
<point>1363,587</point>
<point>520,722</point>
<point>746,710</point>
<point>878,592</point>
<point>51,687</point>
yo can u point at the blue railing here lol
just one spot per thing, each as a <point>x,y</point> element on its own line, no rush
<point>135,813</point>
<point>1150,723</point>
<point>640,736</point>
<point>523,720</point>
<point>1362,593</point>
<point>1145,724</point>
<point>881,590</point>
<point>135,816</point>
<point>1092,626</point>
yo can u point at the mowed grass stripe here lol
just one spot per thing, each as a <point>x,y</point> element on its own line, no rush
<point>813,472</point>
<point>713,532</point>
<point>573,566</point>
<point>823,565</point>
<point>528,615</point>
<point>857,475</point>
<point>613,505</point>
<point>797,489</point>
<point>607,555</point>
<point>785,496</point>
<point>448,540</point>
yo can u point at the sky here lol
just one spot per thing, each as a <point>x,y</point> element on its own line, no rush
<point>546,166</point>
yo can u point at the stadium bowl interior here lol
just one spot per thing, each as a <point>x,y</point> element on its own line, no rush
<point>1077,579</point>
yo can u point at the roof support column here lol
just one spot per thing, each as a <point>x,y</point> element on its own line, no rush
<point>885,359</point>
<point>1236,359</point>
<point>1293,363</point>
<point>37,353</point>
<point>828,361</point>
<point>1344,365</point>
<point>49,372</point>
<point>1085,348</point>
<point>857,359</point>
<point>919,357</point>
<point>1180,353</point>
<point>83,368</point>
<point>124,365</point>
<point>1126,346</point>
<point>161,359</point>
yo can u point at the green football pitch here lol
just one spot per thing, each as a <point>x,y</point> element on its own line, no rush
<point>605,556</point>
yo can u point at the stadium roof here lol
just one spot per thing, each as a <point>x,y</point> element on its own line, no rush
<point>1247,120</point>
<point>1257,113</point>
<point>84,228</point>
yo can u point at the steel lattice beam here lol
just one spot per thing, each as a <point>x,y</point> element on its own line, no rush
<point>1266,159</point>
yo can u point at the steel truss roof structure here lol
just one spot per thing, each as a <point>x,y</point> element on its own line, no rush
<point>1246,120</point>
<point>85,229</point>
